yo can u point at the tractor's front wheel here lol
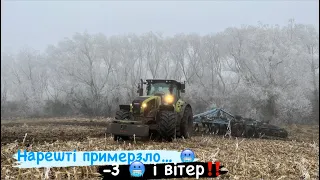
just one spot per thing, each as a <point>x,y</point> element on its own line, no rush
<point>121,115</point>
<point>167,125</point>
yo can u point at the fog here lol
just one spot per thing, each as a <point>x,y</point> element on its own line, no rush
<point>39,23</point>
<point>254,58</point>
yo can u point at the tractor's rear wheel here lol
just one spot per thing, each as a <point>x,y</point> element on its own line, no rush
<point>167,125</point>
<point>121,115</point>
<point>186,126</point>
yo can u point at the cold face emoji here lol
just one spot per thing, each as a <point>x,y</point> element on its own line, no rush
<point>137,169</point>
<point>187,156</point>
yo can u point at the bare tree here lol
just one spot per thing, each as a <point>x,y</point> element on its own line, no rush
<point>30,79</point>
<point>262,71</point>
<point>87,63</point>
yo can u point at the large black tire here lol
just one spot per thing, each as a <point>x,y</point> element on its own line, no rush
<point>186,125</point>
<point>167,125</point>
<point>121,115</point>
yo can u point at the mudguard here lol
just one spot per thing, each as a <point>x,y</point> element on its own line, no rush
<point>182,108</point>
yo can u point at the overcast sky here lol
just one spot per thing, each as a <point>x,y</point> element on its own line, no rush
<point>38,23</point>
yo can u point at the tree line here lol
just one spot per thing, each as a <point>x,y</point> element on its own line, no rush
<point>266,72</point>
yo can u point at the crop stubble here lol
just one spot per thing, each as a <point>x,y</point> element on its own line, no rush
<point>295,158</point>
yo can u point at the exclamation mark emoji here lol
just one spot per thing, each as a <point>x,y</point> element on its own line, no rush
<point>217,168</point>
<point>209,168</point>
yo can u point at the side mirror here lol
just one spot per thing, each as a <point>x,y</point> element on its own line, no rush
<point>183,86</point>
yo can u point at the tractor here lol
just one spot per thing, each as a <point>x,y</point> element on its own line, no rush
<point>160,113</point>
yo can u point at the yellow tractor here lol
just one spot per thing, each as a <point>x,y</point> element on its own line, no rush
<point>159,113</point>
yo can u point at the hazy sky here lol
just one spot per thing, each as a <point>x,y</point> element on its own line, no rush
<point>37,23</point>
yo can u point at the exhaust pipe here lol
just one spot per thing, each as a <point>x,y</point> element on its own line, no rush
<point>141,88</point>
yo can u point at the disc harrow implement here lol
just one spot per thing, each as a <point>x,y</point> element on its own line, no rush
<point>220,122</point>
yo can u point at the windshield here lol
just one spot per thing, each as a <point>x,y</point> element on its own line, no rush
<point>161,87</point>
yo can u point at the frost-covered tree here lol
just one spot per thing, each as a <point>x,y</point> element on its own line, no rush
<point>266,72</point>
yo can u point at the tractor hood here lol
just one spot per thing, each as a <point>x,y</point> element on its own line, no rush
<point>144,103</point>
<point>140,99</point>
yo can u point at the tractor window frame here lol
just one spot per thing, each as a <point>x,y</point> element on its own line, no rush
<point>162,84</point>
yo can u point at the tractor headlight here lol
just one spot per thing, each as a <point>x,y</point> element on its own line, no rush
<point>144,105</point>
<point>169,99</point>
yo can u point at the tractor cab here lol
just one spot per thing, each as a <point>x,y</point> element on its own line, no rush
<point>162,88</point>
<point>169,90</point>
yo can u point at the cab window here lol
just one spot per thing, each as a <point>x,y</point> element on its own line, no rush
<point>160,87</point>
